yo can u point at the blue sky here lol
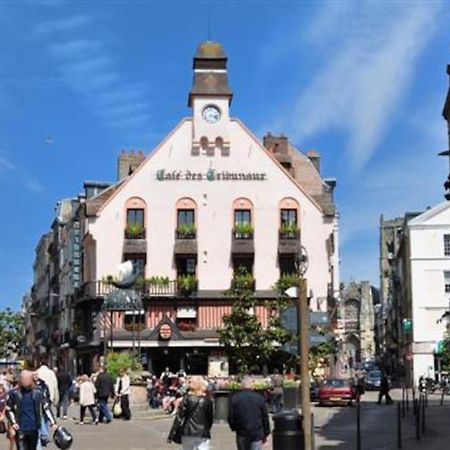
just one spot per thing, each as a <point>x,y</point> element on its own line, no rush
<point>363,82</point>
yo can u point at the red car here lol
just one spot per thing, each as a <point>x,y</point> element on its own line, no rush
<point>337,390</point>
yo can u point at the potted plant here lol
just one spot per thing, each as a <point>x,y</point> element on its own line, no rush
<point>242,280</point>
<point>286,281</point>
<point>158,280</point>
<point>222,399</point>
<point>289,230</point>
<point>134,231</point>
<point>186,231</point>
<point>187,283</point>
<point>243,230</point>
<point>290,394</point>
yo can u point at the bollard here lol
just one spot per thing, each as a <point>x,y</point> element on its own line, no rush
<point>426,399</point>
<point>403,403</point>
<point>288,431</point>
<point>423,417</point>
<point>417,418</point>
<point>358,425</point>
<point>399,427</point>
<point>414,401</point>
<point>407,399</point>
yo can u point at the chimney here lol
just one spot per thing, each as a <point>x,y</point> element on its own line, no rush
<point>276,144</point>
<point>128,162</point>
<point>314,157</point>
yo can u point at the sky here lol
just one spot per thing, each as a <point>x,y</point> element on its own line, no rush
<point>363,82</point>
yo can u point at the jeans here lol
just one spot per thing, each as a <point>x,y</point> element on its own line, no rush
<point>64,401</point>
<point>27,440</point>
<point>194,443</point>
<point>125,404</point>
<point>244,443</point>
<point>43,432</point>
<point>103,409</point>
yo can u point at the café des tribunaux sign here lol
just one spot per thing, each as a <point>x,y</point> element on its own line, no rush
<point>210,175</point>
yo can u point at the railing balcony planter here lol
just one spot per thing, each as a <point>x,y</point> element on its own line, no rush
<point>186,240</point>
<point>242,281</point>
<point>288,240</point>
<point>242,239</point>
<point>159,286</point>
<point>186,284</point>
<point>135,239</point>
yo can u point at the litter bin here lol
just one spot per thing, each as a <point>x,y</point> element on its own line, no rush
<point>288,431</point>
<point>221,405</point>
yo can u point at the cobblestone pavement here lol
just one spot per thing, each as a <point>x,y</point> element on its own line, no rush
<point>335,430</point>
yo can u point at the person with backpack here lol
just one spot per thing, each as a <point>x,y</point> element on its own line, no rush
<point>194,419</point>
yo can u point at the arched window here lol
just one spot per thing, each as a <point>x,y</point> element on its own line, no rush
<point>135,226</point>
<point>204,143</point>
<point>289,217</point>
<point>186,218</point>
<point>243,217</point>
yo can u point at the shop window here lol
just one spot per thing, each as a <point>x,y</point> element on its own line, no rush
<point>134,321</point>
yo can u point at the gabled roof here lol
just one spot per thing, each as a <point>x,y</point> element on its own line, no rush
<point>98,203</point>
<point>430,214</point>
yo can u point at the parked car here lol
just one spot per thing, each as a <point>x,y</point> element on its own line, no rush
<point>337,390</point>
<point>372,380</point>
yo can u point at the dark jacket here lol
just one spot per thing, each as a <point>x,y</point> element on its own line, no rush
<point>248,416</point>
<point>196,414</point>
<point>64,381</point>
<point>41,407</point>
<point>104,385</point>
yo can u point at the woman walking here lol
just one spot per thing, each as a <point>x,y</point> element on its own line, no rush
<point>122,391</point>
<point>194,419</point>
<point>87,399</point>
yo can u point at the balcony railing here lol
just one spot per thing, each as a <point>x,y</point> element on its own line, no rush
<point>181,234</point>
<point>242,242</point>
<point>284,234</point>
<point>288,242</point>
<point>172,288</point>
<point>133,234</point>
<point>185,242</point>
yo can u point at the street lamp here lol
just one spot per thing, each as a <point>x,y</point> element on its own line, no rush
<point>302,264</point>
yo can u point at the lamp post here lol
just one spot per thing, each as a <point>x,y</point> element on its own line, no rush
<point>303,320</point>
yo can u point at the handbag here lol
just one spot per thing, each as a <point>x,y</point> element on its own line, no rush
<point>117,408</point>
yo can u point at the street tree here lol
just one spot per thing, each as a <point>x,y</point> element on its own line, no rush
<point>12,333</point>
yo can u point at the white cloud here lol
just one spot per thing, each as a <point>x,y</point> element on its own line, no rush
<point>63,25</point>
<point>369,62</point>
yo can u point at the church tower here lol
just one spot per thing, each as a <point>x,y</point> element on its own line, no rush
<point>210,100</point>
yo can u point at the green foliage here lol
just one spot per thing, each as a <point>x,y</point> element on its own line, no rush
<point>289,229</point>
<point>242,280</point>
<point>121,360</point>
<point>109,279</point>
<point>158,280</point>
<point>291,384</point>
<point>246,341</point>
<point>286,281</point>
<point>446,353</point>
<point>319,355</point>
<point>12,333</point>
<point>243,229</point>
<point>134,230</point>
<point>186,231</point>
<point>187,283</point>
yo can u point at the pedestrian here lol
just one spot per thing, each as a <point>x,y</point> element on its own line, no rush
<point>122,391</point>
<point>64,388</point>
<point>26,408</point>
<point>49,378</point>
<point>276,392</point>
<point>384,390</point>
<point>165,377</point>
<point>194,419</point>
<point>105,389</point>
<point>87,399</point>
<point>10,433</point>
<point>248,417</point>
<point>45,392</point>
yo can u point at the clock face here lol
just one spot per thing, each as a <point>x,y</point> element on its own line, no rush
<point>211,114</point>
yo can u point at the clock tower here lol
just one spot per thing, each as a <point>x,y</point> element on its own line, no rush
<point>210,100</point>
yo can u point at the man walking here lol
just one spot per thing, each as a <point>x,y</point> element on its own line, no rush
<point>384,390</point>
<point>248,417</point>
<point>64,386</point>
<point>105,389</point>
<point>26,410</point>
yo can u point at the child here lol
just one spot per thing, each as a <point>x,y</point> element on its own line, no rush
<point>87,399</point>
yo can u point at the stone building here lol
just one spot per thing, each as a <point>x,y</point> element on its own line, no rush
<point>357,323</point>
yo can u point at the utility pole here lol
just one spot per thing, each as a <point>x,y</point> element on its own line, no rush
<point>303,320</point>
